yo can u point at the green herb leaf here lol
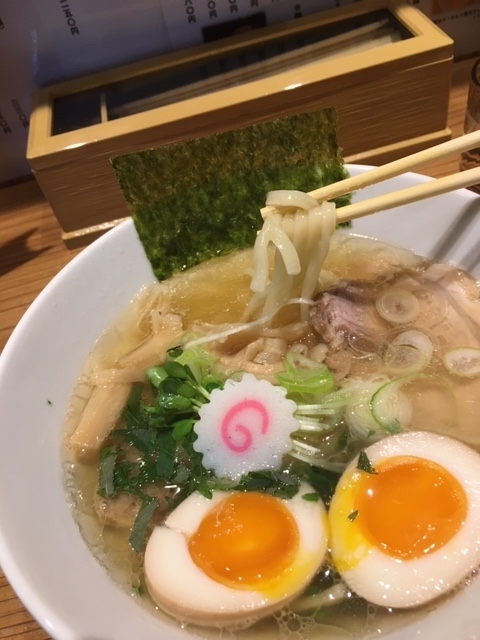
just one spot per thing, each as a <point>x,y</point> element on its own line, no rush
<point>353,515</point>
<point>281,484</point>
<point>170,386</point>
<point>175,352</point>
<point>161,431</point>
<point>321,480</point>
<point>209,383</point>
<point>204,490</point>
<point>181,403</point>
<point>312,590</point>
<point>343,440</point>
<point>311,497</point>
<point>182,427</point>
<point>141,439</point>
<point>106,484</point>
<point>320,615</point>
<point>175,370</point>
<point>135,398</point>
<point>141,524</point>
<point>364,463</point>
<point>187,390</point>
<point>138,591</point>
<point>166,447</point>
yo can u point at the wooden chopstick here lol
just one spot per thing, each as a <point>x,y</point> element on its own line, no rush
<point>410,194</point>
<point>397,167</point>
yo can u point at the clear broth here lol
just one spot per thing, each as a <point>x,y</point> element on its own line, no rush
<point>196,298</point>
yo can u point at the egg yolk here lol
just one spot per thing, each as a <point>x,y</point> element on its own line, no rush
<point>410,507</point>
<point>246,541</point>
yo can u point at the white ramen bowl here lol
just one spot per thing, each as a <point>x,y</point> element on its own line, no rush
<point>41,550</point>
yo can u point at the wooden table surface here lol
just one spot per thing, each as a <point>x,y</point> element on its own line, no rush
<point>31,253</point>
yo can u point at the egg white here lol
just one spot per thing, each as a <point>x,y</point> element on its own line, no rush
<point>394,582</point>
<point>182,589</point>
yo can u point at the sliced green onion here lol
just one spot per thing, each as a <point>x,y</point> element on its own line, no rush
<point>417,339</point>
<point>303,376</point>
<point>310,424</point>
<point>156,375</point>
<point>358,412</point>
<point>324,598</point>
<point>403,359</point>
<point>398,306</point>
<point>390,407</point>
<point>433,305</point>
<point>418,402</point>
<point>312,456</point>
<point>316,409</point>
<point>463,361</point>
<point>410,352</point>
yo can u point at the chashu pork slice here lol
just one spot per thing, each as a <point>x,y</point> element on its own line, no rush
<point>345,315</point>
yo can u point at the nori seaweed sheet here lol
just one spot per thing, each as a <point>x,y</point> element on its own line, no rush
<point>194,200</point>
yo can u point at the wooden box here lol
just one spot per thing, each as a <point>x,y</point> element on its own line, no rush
<point>381,63</point>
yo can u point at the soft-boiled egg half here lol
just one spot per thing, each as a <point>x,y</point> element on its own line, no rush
<point>405,519</point>
<point>235,557</point>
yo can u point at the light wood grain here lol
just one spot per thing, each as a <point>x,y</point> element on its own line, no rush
<point>31,253</point>
<point>415,193</point>
<point>389,96</point>
<point>458,180</point>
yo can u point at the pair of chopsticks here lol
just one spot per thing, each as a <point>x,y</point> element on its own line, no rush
<point>405,196</point>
